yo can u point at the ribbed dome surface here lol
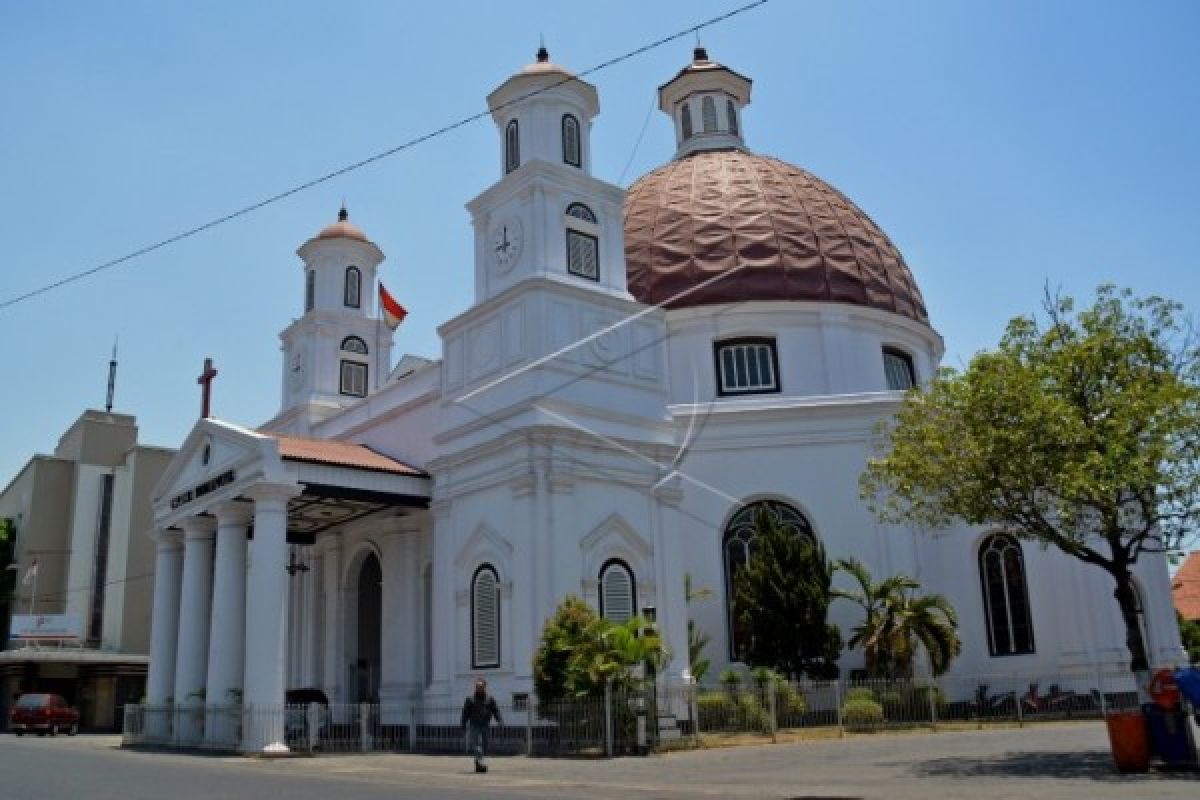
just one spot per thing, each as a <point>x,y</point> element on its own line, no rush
<point>727,226</point>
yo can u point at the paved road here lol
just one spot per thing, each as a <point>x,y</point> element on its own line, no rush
<point>1068,761</point>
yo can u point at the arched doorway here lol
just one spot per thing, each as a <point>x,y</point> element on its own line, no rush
<point>369,631</point>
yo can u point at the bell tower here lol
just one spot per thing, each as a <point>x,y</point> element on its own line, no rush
<point>547,216</point>
<point>337,351</point>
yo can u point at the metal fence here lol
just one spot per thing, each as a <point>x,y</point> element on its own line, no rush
<point>623,723</point>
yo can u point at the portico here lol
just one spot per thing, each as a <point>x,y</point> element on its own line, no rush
<point>227,511</point>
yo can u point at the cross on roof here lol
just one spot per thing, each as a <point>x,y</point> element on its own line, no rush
<point>205,380</point>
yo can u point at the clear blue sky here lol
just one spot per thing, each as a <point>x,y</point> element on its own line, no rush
<point>1000,145</point>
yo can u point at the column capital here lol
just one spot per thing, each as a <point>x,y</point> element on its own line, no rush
<point>272,492</point>
<point>167,539</point>
<point>198,527</point>
<point>234,512</point>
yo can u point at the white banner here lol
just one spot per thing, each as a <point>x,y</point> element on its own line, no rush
<point>31,627</point>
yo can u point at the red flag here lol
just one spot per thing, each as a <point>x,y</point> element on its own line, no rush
<point>393,312</point>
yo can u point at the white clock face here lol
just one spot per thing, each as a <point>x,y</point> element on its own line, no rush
<point>506,244</point>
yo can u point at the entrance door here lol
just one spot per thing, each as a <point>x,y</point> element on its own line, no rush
<point>370,631</point>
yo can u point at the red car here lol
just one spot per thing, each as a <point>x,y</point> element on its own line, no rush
<point>43,713</point>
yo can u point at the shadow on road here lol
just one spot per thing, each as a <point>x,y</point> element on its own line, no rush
<point>1073,765</point>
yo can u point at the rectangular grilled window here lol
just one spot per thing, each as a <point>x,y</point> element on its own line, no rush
<point>354,379</point>
<point>583,255</point>
<point>747,366</point>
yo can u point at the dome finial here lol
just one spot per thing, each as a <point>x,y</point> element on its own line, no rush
<point>699,53</point>
<point>543,55</point>
<point>343,215</point>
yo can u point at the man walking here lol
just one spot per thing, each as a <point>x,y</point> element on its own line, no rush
<point>477,713</point>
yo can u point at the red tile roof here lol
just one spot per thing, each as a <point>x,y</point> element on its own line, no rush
<point>341,454</point>
<point>1185,587</point>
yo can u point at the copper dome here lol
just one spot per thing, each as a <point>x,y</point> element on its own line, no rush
<point>780,233</point>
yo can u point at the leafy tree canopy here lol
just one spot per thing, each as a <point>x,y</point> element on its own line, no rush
<point>782,599</point>
<point>1080,431</point>
<point>581,652</point>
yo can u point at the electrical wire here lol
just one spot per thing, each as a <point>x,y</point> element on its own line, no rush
<point>301,187</point>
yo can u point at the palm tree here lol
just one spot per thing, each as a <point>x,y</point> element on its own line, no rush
<point>696,640</point>
<point>896,619</point>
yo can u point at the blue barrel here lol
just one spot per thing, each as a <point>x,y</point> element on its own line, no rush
<point>1170,738</point>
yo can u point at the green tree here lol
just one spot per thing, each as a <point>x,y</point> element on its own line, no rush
<point>782,601</point>
<point>1189,634</point>
<point>896,619</point>
<point>581,652</point>
<point>1080,431</point>
<point>698,665</point>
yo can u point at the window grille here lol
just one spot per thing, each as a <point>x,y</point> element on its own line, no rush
<point>1005,596</point>
<point>737,545</point>
<point>747,367</point>
<point>354,379</point>
<point>618,601</point>
<point>353,289</point>
<point>570,141</point>
<point>898,367</point>
<point>685,117</point>
<point>512,147</point>
<point>708,114</point>
<point>485,618</point>
<point>732,112</point>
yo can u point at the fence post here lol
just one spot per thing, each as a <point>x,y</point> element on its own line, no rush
<point>529,726</point>
<point>837,700</point>
<point>608,727</point>
<point>774,725</point>
<point>1100,688</point>
<point>1020,700</point>
<point>694,711</point>
<point>412,728</point>
<point>364,723</point>
<point>932,693</point>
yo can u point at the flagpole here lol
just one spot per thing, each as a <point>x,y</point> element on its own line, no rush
<point>378,352</point>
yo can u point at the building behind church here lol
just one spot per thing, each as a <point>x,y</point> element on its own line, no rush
<point>639,373</point>
<point>79,618</point>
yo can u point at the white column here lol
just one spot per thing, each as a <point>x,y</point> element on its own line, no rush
<point>266,621</point>
<point>312,620</point>
<point>191,657</point>
<point>395,679</point>
<point>227,632</point>
<point>164,629</point>
<point>334,672</point>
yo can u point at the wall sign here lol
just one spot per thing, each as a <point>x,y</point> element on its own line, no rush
<point>211,485</point>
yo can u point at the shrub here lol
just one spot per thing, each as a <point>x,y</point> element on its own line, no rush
<point>715,710</point>
<point>859,695</point>
<point>731,679</point>
<point>751,714</point>
<point>862,715</point>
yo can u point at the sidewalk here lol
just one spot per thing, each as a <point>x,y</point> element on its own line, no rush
<point>1069,760</point>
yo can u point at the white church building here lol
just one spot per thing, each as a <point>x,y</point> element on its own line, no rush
<point>639,371</point>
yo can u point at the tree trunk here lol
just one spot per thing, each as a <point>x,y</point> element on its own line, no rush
<point>1127,601</point>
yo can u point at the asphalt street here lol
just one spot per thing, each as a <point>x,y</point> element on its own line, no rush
<point>1068,761</point>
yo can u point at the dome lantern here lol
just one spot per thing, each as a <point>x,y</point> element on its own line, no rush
<point>705,101</point>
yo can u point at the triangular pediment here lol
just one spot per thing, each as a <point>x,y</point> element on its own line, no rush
<point>615,531</point>
<point>214,449</point>
<point>485,539</point>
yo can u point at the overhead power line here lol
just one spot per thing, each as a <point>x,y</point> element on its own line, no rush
<point>275,198</point>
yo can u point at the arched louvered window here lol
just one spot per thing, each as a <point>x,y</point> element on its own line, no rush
<point>353,344</point>
<point>618,592</point>
<point>310,290</point>
<point>737,545</point>
<point>512,147</point>
<point>572,152</point>
<point>583,242</point>
<point>685,119</point>
<point>732,112</point>
<point>353,288</point>
<point>898,367</point>
<point>485,618</point>
<point>1005,596</point>
<point>708,114</point>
